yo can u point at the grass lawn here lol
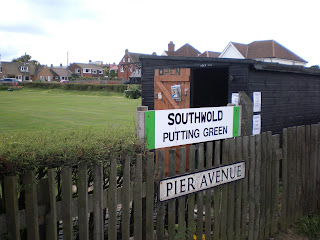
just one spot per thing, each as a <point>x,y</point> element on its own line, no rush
<point>37,109</point>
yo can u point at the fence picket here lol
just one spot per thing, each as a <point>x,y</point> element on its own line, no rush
<point>112,201</point>
<point>285,179</point>
<point>31,202</point>
<point>268,185</point>
<point>257,187</point>
<point>138,199</point>
<point>172,203</point>
<point>238,192</point>
<point>245,183</point>
<point>224,193</point>
<point>252,168</point>
<point>149,196</point>
<point>200,194</point>
<point>299,182</point>
<point>12,209</point>
<point>191,197</point>
<point>82,185</point>
<point>216,193</point>
<point>51,220</point>
<point>208,193</point>
<point>98,217</point>
<point>125,199</point>
<point>66,202</point>
<point>231,197</point>
<point>308,168</point>
<point>313,165</point>
<point>275,168</point>
<point>263,181</point>
<point>182,200</point>
<point>160,205</point>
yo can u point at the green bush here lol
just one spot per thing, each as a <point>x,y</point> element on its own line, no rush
<point>25,150</point>
<point>133,91</point>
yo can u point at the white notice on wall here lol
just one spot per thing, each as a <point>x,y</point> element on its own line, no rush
<point>256,124</point>
<point>235,98</point>
<point>256,101</point>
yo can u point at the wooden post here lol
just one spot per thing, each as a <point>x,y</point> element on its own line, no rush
<point>246,114</point>
<point>160,205</point>
<point>98,217</point>
<point>125,195</point>
<point>51,231</point>
<point>137,199</point>
<point>149,196</point>
<point>140,123</point>
<point>12,209</point>
<point>66,202</point>
<point>182,200</point>
<point>172,202</point>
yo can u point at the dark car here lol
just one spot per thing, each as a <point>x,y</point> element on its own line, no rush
<point>9,80</point>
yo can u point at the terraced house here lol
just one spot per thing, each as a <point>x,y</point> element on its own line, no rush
<point>25,71</point>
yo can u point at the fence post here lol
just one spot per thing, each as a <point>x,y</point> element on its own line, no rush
<point>12,209</point>
<point>246,114</point>
<point>140,122</point>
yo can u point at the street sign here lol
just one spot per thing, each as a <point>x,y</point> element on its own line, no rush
<point>175,127</point>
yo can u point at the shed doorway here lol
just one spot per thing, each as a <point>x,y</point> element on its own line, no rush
<point>209,87</point>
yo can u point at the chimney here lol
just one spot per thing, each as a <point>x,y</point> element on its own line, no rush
<point>60,64</point>
<point>171,47</point>
<point>89,61</point>
<point>51,65</point>
<point>126,52</point>
<point>154,54</point>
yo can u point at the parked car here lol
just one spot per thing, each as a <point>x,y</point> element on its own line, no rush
<point>9,80</point>
<point>64,81</point>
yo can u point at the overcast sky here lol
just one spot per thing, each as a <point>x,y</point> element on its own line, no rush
<point>101,30</point>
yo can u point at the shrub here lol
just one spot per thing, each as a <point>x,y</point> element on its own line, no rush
<point>25,150</point>
<point>133,91</point>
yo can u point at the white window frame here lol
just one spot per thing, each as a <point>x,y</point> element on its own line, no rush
<point>121,69</point>
<point>41,78</point>
<point>94,71</point>
<point>101,71</point>
<point>124,59</point>
<point>24,68</point>
<point>87,70</point>
<point>49,78</point>
<point>77,70</point>
<point>129,60</point>
<point>19,77</point>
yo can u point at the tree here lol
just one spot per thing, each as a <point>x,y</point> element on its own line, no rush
<point>25,58</point>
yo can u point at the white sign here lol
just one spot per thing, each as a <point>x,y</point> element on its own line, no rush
<point>256,124</point>
<point>174,127</point>
<point>235,98</point>
<point>256,101</point>
<point>190,183</point>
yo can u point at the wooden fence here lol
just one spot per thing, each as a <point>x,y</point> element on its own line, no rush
<point>281,185</point>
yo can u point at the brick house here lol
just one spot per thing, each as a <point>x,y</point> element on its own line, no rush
<point>25,71</point>
<point>87,69</point>
<point>185,51</point>
<point>130,65</point>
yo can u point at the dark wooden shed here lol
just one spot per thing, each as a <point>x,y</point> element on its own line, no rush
<point>290,95</point>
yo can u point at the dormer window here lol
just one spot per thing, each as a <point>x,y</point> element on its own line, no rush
<point>24,69</point>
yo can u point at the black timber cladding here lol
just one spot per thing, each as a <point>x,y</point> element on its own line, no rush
<point>290,94</point>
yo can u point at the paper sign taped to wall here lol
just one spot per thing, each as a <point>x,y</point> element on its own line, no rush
<point>256,124</point>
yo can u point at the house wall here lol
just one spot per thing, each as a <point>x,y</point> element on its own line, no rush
<point>45,72</point>
<point>231,52</point>
<point>125,69</point>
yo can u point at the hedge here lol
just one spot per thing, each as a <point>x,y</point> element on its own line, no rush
<point>21,151</point>
<point>78,86</point>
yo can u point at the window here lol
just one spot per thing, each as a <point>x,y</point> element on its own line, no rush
<point>121,69</point>
<point>19,77</point>
<point>130,69</point>
<point>63,78</point>
<point>77,70</point>
<point>0,69</point>
<point>49,78</point>
<point>94,71</point>
<point>128,59</point>
<point>24,69</point>
<point>87,70</point>
<point>41,78</point>
<point>57,77</point>
<point>101,71</point>
<point>124,59</point>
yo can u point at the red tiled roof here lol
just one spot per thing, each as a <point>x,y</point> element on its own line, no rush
<point>210,54</point>
<point>266,49</point>
<point>185,51</point>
